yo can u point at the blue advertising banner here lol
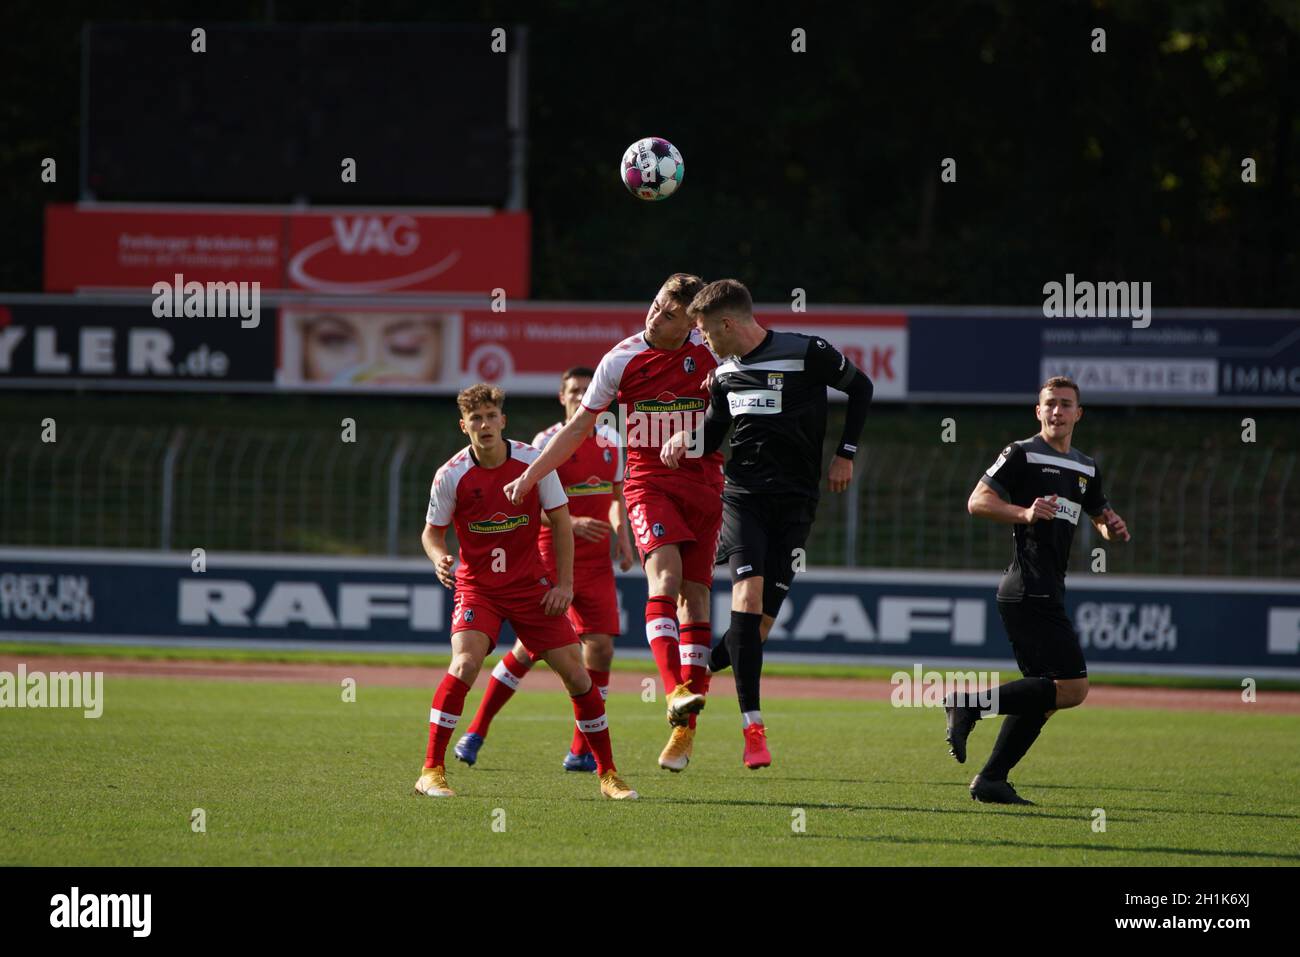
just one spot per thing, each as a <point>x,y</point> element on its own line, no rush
<point>1150,624</point>
<point>1192,357</point>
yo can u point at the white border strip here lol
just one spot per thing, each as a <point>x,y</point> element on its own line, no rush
<point>866,576</point>
<point>642,654</point>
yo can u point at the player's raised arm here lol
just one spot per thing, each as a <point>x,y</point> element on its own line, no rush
<point>564,444</point>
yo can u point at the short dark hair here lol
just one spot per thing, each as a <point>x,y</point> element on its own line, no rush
<point>1062,382</point>
<point>722,295</point>
<point>480,394</point>
<point>577,372</point>
<point>682,287</point>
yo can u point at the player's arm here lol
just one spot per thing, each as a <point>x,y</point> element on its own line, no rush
<point>555,601</point>
<point>434,540</point>
<point>991,498</point>
<point>835,370</point>
<point>986,503</point>
<point>624,550</point>
<point>1104,519</point>
<point>564,444</point>
<point>442,507</point>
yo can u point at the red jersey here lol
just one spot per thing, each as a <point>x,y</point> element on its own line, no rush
<point>498,541</point>
<point>659,392</point>
<point>588,479</point>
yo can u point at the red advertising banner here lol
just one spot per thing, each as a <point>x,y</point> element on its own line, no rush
<point>335,345</point>
<point>333,252</point>
<point>530,345</point>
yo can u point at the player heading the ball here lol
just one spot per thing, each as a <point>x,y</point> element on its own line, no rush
<point>657,377</point>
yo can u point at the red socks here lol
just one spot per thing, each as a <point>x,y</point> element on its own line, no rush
<point>589,711</point>
<point>661,632</point>
<point>448,703</point>
<point>501,688</point>
<point>693,647</point>
<point>601,680</point>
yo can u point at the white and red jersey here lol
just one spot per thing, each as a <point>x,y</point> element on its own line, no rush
<point>498,541</point>
<point>588,478</point>
<point>658,392</point>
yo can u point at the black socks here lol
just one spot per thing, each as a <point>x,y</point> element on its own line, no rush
<point>1018,732</point>
<point>744,644</point>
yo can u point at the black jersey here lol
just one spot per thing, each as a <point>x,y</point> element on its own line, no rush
<point>775,396</point>
<point>1031,469</point>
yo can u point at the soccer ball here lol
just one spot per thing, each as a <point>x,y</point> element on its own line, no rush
<point>652,169</point>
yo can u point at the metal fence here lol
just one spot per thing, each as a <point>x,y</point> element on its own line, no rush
<point>1190,512</point>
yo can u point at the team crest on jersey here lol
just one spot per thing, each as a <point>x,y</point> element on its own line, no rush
<point>467,615</point>
<point>688,364</point>
<point>500,522</point>
<point>608,455</point>
<point>1083,484</point>
<point>657,530</point>
<point>776,380</point>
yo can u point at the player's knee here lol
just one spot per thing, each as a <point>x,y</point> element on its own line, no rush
<point>1071,694</point>
<point>765,626</point>
<point>667,582</point>
<point>465,668</point>
<point>598,651</point>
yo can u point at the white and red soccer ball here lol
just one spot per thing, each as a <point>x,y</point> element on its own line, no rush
<point>652,169</point>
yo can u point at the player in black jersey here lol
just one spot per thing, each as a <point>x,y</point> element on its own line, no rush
<point>1040,486</point>
<point>772,386</point>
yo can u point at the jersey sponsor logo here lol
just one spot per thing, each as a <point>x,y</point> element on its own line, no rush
<point>592,486</point>
<point>744,568</point>
<point>754,402</point>
<point>1048,468</point>
<point>776,380</point>
<point>1068,510</point>
<point>667,402</point>
<point>500,522</point>
<point>1002,460</point>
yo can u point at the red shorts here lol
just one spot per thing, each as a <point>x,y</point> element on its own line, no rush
<point>688,514</point>
<point>540,632</point>
<point>594,610</point>
<point>595,600</point>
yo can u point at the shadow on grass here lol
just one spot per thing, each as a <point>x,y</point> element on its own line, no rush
<point>982,810</point>
<point>1042,787</point>
<point>1105,848</point>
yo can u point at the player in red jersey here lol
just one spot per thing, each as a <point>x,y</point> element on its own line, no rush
<point>501,578</point>
<point>657,380</point>
<point>592,478</point>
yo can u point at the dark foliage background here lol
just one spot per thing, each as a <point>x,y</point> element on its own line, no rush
<point>821,170</point>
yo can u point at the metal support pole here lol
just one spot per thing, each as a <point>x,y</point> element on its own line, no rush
<point>395,489</point>
<point>169,487</point>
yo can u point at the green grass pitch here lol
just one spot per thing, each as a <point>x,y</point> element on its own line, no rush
<point>291,774</point>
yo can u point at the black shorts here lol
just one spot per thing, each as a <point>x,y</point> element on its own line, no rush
<point>1044,639</point>
<point>760,534</point>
